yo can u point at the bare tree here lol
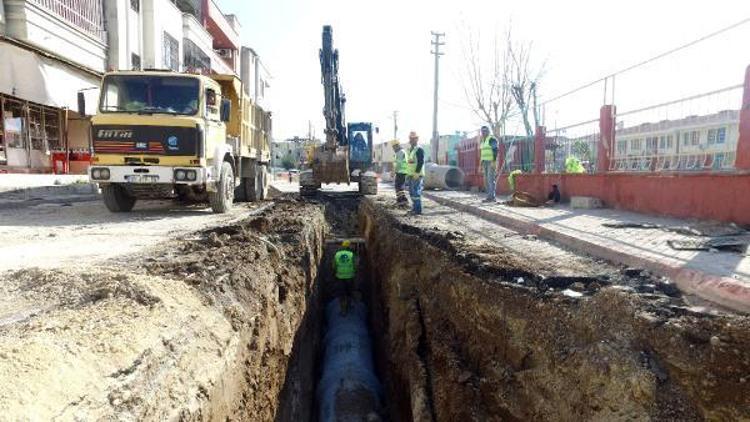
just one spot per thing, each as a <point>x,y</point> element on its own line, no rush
<point>493,90</point>
<point>524,82</point>
<point>488,88</point>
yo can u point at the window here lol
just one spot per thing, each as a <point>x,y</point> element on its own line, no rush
<point>662,142</point>
<point>686,139</point>
<point>711,138</point>
<point>721,135</point>
<point>135,5</point>
<point>194,59</point>
<point>171,53</point>
<point>135,62</point>
<point>651,143</point>
<point>622,147</point>
<point>695,137</point>
<point>635,144</point>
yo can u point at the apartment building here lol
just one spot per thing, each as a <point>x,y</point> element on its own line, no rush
<point>50,50</point>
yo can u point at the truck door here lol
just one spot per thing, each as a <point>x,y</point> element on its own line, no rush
<point>214,132</point>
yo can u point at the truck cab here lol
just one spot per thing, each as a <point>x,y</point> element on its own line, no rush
<point>162,135</point>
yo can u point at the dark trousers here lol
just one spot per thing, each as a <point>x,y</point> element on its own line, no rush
<point>400,185</point>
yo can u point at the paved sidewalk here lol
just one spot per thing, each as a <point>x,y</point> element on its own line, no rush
<point>720,277</point>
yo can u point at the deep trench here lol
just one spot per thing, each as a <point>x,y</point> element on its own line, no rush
<point>453,339</point>
<point>301,397</point>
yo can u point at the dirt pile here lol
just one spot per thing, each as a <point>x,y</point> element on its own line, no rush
<point>205,330</point>
<point>471,331</point>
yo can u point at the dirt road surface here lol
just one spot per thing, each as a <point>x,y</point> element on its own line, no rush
<point>84,233</point>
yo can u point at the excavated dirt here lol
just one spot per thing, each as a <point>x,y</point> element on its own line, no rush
<point>206,331</point>
<point>470,322</point>
<point>471,330</point>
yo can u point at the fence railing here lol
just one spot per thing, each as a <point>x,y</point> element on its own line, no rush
<point>86,15</point>
<point>696,133</point>
<point>580,141</point>
<point>519,154</point>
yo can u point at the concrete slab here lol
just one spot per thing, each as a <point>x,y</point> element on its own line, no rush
<point>720,277</point>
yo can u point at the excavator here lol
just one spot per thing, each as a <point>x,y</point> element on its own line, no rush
<point>346,155</point>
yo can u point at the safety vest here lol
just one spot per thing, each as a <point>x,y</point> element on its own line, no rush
<point>344,262</point>
<point>399,163</point>
<point>486,149</point>
<point>412,165</point>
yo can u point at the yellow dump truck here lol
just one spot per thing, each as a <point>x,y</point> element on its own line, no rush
<point>162,135</point>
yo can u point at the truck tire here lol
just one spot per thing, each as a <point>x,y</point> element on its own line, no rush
<point>221,200</point>
<point>117,199</point>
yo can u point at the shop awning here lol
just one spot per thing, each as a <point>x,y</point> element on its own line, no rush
<point>33,77</point>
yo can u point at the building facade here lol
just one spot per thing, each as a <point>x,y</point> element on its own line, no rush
<point>50,50</point>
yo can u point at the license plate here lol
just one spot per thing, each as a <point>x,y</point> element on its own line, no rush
<point>141,178</point>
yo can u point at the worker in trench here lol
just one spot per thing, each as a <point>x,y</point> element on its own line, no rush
<point>400,172</point>
<point>345,268</point>
<point>415,168</point>
<point>488,157</point>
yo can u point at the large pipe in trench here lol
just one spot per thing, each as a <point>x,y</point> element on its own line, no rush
<point>443,177</point>
<point>348,390</point>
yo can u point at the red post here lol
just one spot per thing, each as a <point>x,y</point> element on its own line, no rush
<point>539,140</point>
<point>742,161</point>
<point>606,137</point>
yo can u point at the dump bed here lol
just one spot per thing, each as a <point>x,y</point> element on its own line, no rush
<point>248,122</point>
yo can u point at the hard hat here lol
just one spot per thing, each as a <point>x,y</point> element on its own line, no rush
<point>395,142</point>
<point>346,244</point>
<point>413,134</point>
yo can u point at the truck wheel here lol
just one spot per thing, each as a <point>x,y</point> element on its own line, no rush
<point>117,199</point>
<point>221,200</point>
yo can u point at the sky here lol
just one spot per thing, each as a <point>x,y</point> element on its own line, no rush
<point>386,65</point>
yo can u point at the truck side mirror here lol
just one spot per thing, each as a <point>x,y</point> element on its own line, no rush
<point>81,104</point>
<point>226,109</point>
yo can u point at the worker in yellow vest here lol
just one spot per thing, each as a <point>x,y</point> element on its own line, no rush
<point>488,158</point>
<point>415,167</point>
<point>400,172</point>
<point>344,268</point>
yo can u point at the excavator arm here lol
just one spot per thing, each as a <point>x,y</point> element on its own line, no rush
<point>335,101</point>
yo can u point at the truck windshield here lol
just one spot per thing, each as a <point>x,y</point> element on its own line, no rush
<point>149,94</point>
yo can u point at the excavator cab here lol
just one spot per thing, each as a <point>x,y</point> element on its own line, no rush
<point>360,148</point>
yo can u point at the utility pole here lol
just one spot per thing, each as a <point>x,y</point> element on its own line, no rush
<point>436,43</point>
<point>395,124</point>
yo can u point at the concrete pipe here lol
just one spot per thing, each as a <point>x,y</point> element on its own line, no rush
<point>443,177</point>
<point>348,388</point>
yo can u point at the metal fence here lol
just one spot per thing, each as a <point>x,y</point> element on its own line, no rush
<point>697,133</point>
<point>579,141</point>
<point>519,153</point>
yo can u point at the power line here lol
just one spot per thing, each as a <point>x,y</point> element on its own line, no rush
<point>657,57</point>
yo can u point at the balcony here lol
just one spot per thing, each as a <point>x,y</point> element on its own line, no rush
<point>225,36</point>
<point>73,30</point>
<point>202,40</point>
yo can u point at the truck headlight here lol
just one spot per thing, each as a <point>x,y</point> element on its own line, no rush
<point>100,173</point>
<point>191,175</point>
<point>179,175</point>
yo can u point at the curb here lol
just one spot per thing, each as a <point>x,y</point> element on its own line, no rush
<point>724,291</point>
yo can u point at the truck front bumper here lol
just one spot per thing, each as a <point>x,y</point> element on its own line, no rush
<point>148,175</point>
